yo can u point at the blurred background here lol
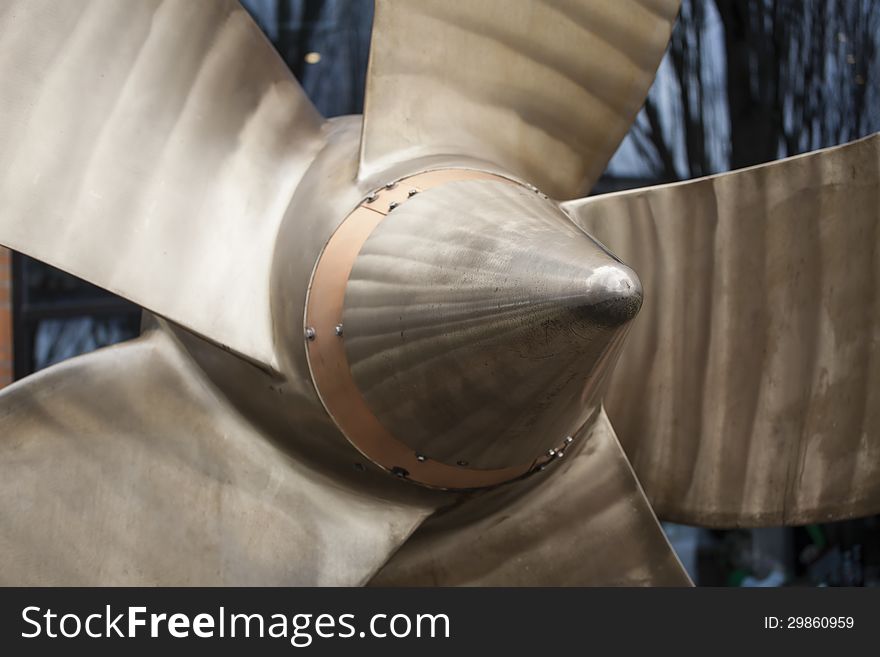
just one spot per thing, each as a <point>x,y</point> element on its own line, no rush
<point>743,82</point>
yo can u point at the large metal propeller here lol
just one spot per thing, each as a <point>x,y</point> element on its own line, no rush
<point>365,328</point>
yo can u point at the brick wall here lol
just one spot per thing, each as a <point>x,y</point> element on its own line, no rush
<point>5,317</point>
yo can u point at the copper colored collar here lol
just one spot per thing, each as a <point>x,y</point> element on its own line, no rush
<point>325,346</point>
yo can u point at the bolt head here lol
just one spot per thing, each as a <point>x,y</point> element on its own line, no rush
<point>310,333</point>
<point>338,329</point>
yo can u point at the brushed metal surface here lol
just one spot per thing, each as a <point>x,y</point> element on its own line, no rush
<point>749,390</point>
<point>584,521</point>
<point>545,88</point>
<point>152,148</point>
<point>127,467</point>
<point>479,323</point>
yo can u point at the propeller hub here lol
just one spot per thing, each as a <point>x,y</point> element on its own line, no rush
<point>459,328</point>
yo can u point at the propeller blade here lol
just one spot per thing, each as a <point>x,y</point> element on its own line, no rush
<point>152,148</point>
<point>586,523</point>
<point>518,84</point>
<point>126,467</point>
<point>749,389</point>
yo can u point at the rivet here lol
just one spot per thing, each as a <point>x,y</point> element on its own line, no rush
<point>310,333</point>
<point>412,193</point>
<point>397,471</point>
<point>551,452</point>
<point>338,329</point>
<point>463,464</point>
<point>421,458</point>
<point>541,468</point>
<point>391,185</point>
<point>560,454</point>
<point>372,196</point>
<point>392,205</point>
<point>568,440</point>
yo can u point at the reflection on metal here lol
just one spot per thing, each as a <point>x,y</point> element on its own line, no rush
<point>365,322</point>
<point>756,358</point>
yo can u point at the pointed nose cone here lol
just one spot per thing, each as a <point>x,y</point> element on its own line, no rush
<point>480,323</point>
<point>613,295</point>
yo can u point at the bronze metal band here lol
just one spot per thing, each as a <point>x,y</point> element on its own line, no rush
<point>325,346</point>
